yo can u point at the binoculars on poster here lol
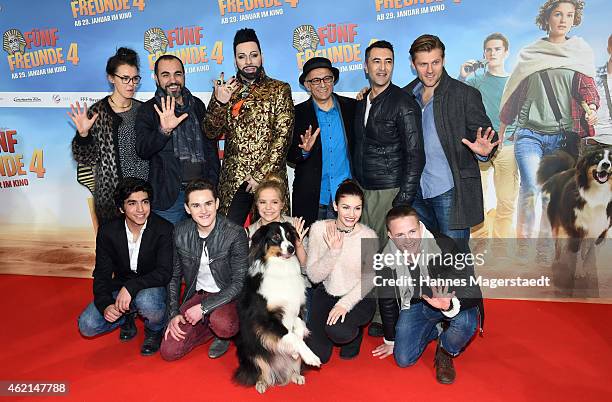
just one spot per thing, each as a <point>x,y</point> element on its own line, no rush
<point>475,66</point>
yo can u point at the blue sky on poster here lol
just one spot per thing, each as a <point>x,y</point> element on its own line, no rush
<point>461,26</point>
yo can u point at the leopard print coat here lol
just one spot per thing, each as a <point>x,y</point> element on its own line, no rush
<point>256,140</point>
<point>100,151</point>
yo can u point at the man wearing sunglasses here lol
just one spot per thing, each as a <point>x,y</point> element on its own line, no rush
<point>321,137</point>
<point>170,135</point>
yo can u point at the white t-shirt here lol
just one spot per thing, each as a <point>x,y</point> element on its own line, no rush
<point>205,280</point>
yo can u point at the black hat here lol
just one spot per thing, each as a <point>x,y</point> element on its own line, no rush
<point>318,62</point>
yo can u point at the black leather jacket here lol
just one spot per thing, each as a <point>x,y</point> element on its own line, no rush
<point>389,152</point>
<point>227,247</point>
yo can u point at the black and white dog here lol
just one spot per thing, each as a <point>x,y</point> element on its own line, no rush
<point>271,341</point>
<point>580,204</point>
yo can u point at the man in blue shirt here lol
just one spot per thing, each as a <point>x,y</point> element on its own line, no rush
<point>457,133</point>
<point>322,135</point>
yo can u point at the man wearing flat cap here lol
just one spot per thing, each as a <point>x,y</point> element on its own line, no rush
<point>322,136</point>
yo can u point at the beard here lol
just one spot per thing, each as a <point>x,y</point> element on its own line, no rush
<point>250,76</point>
<point>175,94</point>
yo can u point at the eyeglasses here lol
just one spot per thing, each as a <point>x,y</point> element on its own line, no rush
<point>317,81</point>
<point>126,80</point>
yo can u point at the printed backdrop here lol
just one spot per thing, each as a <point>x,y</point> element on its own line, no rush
<point>54,53</point>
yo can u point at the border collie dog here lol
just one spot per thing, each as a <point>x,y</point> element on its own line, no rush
<point>271,344</point>
<point>580,207</point>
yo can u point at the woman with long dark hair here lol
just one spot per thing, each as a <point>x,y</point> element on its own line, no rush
<point>336,255</point>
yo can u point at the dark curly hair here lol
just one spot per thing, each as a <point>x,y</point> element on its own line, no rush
<point>548,7</point>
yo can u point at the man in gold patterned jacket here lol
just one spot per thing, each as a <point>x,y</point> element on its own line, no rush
<point>255,114</point>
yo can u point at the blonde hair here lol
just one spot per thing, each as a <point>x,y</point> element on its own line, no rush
<point>271,181</point>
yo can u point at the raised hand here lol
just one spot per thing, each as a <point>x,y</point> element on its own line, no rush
<point>79,118</point>
<point>333,238</point>
<point>308,139</point>
<point>440,299</point>
<point>298,224</point>
<point>483,145</point>
<point>223,90</point>
<point>167,120</point>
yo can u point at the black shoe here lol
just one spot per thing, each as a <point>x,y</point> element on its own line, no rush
<point>376,330</point>
<point>128,329</point>
<point>351,349</point>
<point>218,347</point>
<point>445,370</point>
<point>151,342</point>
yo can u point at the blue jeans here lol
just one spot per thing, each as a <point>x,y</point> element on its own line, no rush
<point>417,326</point>
<point>150,303</point>
<point>529,149</point>
<point>435,214</point>
<point>176,212</point>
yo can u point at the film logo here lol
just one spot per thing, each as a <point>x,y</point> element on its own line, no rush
<point>393,9</point>
<point>12,163</point>
<point>335,42</point>
<point>245,10</point>
<point>38,51</point>
<point>90,12</point>
<point>186,43</point>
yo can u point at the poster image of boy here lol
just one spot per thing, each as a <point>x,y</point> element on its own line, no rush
<point>491,82</point>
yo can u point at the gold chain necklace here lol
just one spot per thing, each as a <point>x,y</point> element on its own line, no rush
<point>119,106</point>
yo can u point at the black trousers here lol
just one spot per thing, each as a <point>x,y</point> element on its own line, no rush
<point>323,337</point>
<point>240,206</point>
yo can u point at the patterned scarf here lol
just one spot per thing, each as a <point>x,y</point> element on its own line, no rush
<point>187,137</point>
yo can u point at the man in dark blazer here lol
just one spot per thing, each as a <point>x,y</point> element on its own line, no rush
<point>457,134</point>
<point>322,135</point>
<point>133,266</point>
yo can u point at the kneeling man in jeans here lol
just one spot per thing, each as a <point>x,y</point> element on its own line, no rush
<point>211,256</point>
<point>133,267</point>
<point>431,298</point>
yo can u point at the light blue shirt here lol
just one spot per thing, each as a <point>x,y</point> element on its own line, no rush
<point>437,177</point>
<point>335,163</point>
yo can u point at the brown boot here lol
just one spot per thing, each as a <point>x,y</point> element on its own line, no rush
<point>445,370</point>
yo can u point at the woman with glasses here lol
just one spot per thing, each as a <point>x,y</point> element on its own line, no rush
<point>104,144</point>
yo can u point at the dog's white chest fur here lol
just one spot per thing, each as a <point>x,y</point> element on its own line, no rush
<point>283,286</point>
<point>593,218</point>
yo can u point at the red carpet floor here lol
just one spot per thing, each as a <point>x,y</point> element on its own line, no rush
<point>531,351</point>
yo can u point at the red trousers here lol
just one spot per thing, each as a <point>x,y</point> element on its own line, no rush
<point>222,322</point>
